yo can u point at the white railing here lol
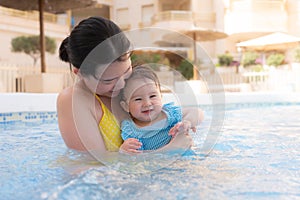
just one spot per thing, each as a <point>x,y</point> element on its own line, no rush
<point>273,80</point>
<point>8,78</point>
<point>12,76</point>
<point>12,79</point>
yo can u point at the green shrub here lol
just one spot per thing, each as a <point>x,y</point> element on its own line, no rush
<point>297,55</point>
<point>249,58</point>
<point>145,58</point>
<point>154,60</point>
<point>275,59</point>
<point>225,59</point>
<point>186,69</point>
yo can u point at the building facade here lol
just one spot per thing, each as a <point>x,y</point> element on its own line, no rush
<point>240,19</point>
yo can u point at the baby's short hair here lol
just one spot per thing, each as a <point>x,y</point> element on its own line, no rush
<point>142,72</point>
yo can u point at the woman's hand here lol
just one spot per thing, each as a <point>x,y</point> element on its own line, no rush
<point>131,145</point>
<point>193,115</point>
<point>179,141</point>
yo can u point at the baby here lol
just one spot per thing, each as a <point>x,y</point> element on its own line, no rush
<point>152,123</point>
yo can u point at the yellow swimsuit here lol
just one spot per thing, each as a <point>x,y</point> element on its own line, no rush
<point>110,129</point>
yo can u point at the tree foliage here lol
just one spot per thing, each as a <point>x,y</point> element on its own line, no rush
<point>30,45</point>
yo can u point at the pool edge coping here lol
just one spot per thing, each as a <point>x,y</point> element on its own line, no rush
<point>36,102</point>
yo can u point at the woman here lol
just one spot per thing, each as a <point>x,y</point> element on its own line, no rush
<point>99,52</point>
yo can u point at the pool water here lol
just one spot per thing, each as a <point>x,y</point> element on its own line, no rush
<point>256,156</point>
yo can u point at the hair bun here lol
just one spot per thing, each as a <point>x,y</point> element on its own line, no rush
<point>63,52</point>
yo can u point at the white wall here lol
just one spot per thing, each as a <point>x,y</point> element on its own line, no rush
<point>11,27</point>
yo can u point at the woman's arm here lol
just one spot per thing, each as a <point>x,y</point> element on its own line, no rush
<point>66,122</point>
<point>78,118</point>
<point>193,114</point>
<point>181,141</point>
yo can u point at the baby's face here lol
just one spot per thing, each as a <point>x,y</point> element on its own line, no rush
<point>143,99</point>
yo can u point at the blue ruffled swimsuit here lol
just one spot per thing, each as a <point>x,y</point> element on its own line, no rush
<point>154,136</point>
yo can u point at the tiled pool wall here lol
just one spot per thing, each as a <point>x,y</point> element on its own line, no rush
<point>33,107</point>
<point>27,107</point>
<point>15,117</point>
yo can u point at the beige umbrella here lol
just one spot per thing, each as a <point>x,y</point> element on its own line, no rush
<point>196,34</point>
<point>53,6</point>
<point>271,42</point>
<point>205,34</point>
<point>164,43</point>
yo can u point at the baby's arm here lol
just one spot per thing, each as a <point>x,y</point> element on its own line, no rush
<point>131,145</point>
<point>180,127</point>
<point>191,118</point>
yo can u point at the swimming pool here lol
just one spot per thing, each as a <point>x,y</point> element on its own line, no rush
<point>256,157</point>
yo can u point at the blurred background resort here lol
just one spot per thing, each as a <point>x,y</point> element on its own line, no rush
<point>253,44</point>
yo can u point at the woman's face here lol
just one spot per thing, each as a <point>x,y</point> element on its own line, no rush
<point>110,82</point>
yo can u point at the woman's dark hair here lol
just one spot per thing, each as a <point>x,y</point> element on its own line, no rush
<point>94,41</point>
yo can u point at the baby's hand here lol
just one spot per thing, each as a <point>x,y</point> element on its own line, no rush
<point>181,127</point>
<point>131,145</point>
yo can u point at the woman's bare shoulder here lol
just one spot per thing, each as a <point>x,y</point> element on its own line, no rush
<point>65,95</point>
